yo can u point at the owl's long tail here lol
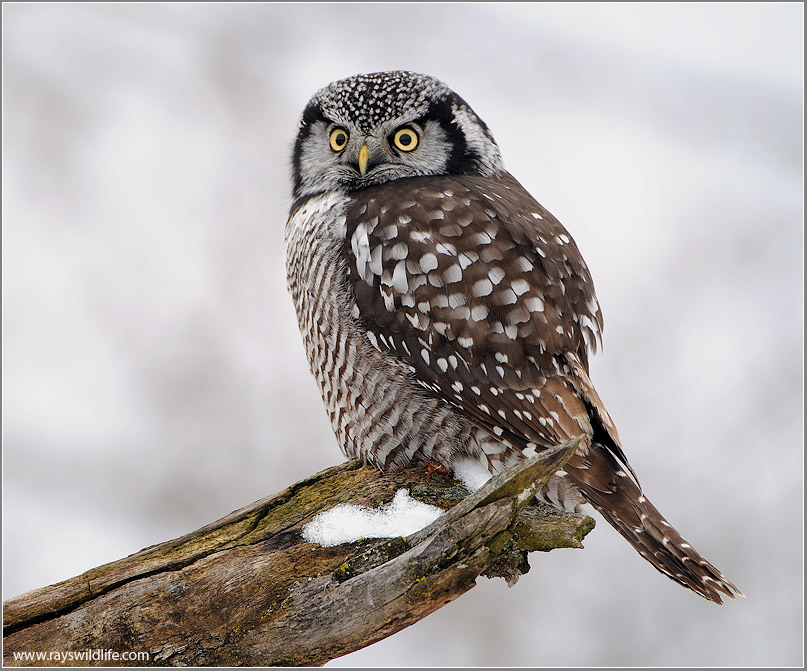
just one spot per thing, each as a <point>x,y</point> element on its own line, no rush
<point>605,484</point>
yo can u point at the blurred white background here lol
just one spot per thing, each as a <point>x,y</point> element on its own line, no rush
<point>153,375</point>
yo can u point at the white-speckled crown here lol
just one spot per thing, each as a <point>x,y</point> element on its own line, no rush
<point>370,99</point>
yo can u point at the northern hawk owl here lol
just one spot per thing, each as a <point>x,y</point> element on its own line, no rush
<point>445,313</point>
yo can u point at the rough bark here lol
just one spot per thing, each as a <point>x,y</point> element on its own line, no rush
<point>247,590</point>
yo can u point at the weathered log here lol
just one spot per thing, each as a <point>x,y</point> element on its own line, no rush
<point>248,590</point>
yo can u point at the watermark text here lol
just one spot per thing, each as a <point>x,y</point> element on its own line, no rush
<point>88,655</point>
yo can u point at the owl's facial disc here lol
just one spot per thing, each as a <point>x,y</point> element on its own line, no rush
<point>371,129</point>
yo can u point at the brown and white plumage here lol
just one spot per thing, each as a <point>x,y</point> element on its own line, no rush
<point>446,314</point>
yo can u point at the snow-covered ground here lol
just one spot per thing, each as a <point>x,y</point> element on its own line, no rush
<point>153,375</point>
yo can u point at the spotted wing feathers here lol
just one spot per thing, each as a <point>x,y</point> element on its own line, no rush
<point>485,296</point>
<point>478,304</point>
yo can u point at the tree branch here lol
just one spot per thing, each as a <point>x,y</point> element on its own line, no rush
<point>247,590</point>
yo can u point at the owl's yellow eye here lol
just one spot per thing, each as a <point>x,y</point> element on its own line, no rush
<point>338,139</point>
<point>405,139</point>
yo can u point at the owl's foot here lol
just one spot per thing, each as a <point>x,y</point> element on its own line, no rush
<point>433,467</point>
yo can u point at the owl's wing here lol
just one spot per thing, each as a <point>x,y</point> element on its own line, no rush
<point>486,296</point>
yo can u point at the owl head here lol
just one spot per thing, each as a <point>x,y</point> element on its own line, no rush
<point>370,129</point>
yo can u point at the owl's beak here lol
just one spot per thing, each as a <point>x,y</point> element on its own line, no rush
<point>364,157</point>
